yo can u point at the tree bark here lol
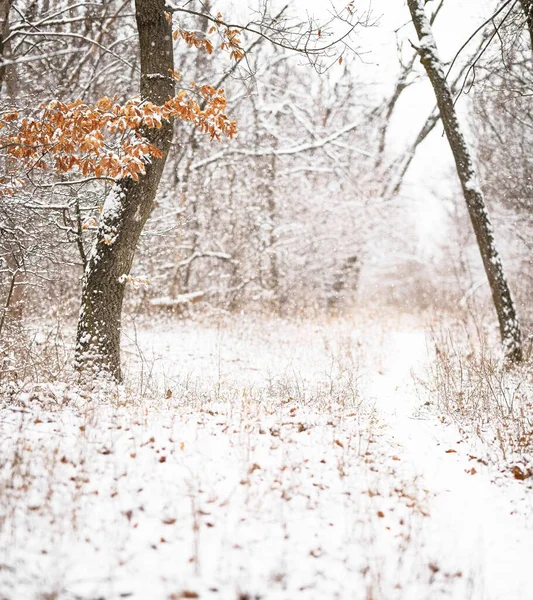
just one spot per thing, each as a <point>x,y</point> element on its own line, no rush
<point>8,73</point>
<point>527,7</point>
<point>126,209</point>
<point>9,90</point>
<point>466,170</point>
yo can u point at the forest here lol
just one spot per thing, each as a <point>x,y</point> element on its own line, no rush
<point>266,271</point>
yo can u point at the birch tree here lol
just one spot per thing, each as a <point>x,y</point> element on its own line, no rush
<point>472,192</point>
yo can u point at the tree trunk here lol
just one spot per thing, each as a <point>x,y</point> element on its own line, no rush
<point>126,209</point>
<point>8,73</point>
<point>9,89</point>
<point>527,7</point>
<point>475,202</point>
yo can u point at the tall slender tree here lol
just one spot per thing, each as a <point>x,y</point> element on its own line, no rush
<point>527,7</point>
<point>472,192</point>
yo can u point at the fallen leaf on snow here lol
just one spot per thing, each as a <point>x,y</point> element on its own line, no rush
<point>433,567</point>
<point>519,474</point>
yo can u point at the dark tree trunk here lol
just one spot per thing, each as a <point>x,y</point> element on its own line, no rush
<point>8,73</point>
<point>126,209</point>
<point>475,202</point>
<point>13,247</point>
<point>527,7</point>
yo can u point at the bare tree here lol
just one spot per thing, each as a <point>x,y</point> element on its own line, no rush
<point>8,73</point>
<point>527,7</point>
<point>466,170</point>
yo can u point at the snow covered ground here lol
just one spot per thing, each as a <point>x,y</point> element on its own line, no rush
<point>255,459</point>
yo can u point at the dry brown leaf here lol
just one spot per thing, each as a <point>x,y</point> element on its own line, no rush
<point>519,474</point>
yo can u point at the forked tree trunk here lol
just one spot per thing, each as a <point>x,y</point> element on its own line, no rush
<point>126,209</point>
<point>475,202</point>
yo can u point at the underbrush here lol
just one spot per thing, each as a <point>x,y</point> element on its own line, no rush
<point>33,355</point>
<point>490,401</point>
<point>235,462</point>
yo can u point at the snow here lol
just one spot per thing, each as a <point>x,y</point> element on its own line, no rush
<point>254,459</point>
<point>472,185</point>
<point>428,42</point>
<point>111,212</point>
<point>180,299</point>
<point>474,522</point>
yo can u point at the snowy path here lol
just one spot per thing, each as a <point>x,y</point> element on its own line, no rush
<point>261,471</point>
<point>471,528</point>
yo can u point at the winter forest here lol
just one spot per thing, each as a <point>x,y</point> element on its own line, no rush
<point>266,328</point>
